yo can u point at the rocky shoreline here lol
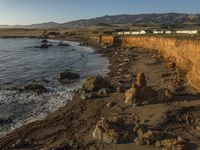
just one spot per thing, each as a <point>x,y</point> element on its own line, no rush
<point>130,108</point>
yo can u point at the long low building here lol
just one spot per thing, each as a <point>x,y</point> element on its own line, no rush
<point>134,32</point>
<point>142,32</point>
<point>187,31</point>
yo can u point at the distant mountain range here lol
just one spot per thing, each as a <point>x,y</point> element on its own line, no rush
<point>37,26</point>
<point>167,18</point>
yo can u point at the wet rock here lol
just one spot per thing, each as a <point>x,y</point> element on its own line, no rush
<point>44,46</point>
<point>95,83</point>
<point>35,88</point>
<point>22,143</point>
<point>67,75</point>
<point>44,41</point>
<point>63,44</point>
<point>141,80</point>
<point>4,121</point>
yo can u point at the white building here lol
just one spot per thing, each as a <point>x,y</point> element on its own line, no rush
<point>135,32</point>
<point>158,32</point>
<point>168,32</point>
<point>143,32</point>
<point>120,33</point>
<point>127,33</point>
<point>187,31</point>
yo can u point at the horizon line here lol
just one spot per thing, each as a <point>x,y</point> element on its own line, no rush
<point>58,22</point>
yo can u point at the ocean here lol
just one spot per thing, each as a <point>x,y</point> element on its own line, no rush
<point>21,63</point>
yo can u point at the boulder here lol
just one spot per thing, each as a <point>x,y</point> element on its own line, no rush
<point>141,80</point>
<point>5,120</point>
<point>95,84</point>
<point>35,88</point>
<point>140,95</point>
<point>63,44</point>
<point>67,75</point>
<point>106,131</point>
<point>44,41</point>
<point>44,46</point>
<point>131,96</point>
<point>22,143</point>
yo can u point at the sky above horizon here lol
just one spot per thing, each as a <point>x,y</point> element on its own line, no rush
<point>26,12</point>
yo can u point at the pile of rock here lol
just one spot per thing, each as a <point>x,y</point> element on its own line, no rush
<point>140,93</point>
<point>95,87</point>
<point>117,131</point>
<point>111,132</point>
<point>146,136</point>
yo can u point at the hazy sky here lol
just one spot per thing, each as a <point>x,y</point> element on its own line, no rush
<point>37,11</point>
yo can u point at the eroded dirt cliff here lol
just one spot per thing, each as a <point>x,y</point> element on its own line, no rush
<point>184,52</point>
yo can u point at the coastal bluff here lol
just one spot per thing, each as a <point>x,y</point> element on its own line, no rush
<point>184,52</point>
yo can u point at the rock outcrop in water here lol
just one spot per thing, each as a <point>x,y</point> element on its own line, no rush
<point>68,75</point>
<point>61,44</point>
<point>35,88</point>
<point>44,41</point>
